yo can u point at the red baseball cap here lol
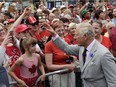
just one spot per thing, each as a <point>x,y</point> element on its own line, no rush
<point>110,7</point>
<point>71,6</point>
<point>32,19</point>
<point>21,28</point>
<point>11,20</point>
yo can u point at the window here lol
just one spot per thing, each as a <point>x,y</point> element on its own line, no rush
<point>58,4</point>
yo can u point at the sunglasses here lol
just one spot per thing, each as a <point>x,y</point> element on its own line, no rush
<point>41,17</point>
<point>6,23</point>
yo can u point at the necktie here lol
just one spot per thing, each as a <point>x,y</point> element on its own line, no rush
<point>84,56</point>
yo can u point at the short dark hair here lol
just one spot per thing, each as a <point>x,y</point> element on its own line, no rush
<point>97,13</point>
<point>64,20</point>
<point>8,14</point>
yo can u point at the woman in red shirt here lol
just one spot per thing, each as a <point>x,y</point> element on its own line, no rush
<point>97,26</point>
<point>57,60</point>
<point>71,34</point>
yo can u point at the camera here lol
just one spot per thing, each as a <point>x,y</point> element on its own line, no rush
<point>42,27</point>
<point>90,5</point>
<point>11,33</point>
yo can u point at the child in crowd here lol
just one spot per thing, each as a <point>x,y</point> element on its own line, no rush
<point>28,62</point>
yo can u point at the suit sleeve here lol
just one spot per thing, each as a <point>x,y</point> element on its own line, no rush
<point>2,55</point>
<point>69,49</point>
<point>109,69</point>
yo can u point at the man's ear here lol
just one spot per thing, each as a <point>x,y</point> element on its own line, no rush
<point>86,36</point>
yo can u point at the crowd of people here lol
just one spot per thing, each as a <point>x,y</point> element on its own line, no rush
<point>38,40</point>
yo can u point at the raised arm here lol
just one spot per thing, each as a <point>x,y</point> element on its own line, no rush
<point>69,49</point>
<point>18,21</point>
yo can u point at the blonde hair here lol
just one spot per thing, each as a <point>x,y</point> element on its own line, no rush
<point>12,7</point>
<point>67,16</point>
<point>67,11</point>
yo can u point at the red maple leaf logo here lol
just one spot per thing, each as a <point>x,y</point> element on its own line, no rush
<point>32,69</point>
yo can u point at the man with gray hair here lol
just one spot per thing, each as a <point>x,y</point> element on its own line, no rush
<point>97,64</point>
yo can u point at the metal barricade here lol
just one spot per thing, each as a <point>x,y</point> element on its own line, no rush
<point>12,83</point>
<point>51,74</point>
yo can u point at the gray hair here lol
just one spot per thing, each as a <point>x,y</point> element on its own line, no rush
<point>71,25</point>
<point>110,24</point>
<point>86,28</point>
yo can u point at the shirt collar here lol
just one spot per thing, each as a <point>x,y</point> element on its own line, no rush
<point>91,45</point>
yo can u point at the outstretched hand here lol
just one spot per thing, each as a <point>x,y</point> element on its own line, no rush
<point>49,28</point>
<point>27,11</point>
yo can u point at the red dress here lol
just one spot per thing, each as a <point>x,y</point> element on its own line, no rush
<point>28,71</point>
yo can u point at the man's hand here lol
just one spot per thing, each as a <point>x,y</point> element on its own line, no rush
<point>49,28</point>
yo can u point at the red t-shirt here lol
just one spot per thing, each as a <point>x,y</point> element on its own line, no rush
<point>59,57</point>
<point>106,42</point>
<point>14,53</point>
<point>67,40</point>
<point>71,38</point>
<point>42,35</point>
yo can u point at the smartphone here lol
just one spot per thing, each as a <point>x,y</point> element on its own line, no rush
<point>42,27</point>
<point>11,33</point>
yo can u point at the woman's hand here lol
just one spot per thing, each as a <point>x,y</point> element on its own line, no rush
<point>71,67</point>
<point>86,4</point>
<point>42,77</point>
<point>7,63</point>
<point>21,83</point>
<point>7,40</point>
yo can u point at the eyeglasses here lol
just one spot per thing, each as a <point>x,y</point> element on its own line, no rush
<point>60,30</point>
<point>66,26</point>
